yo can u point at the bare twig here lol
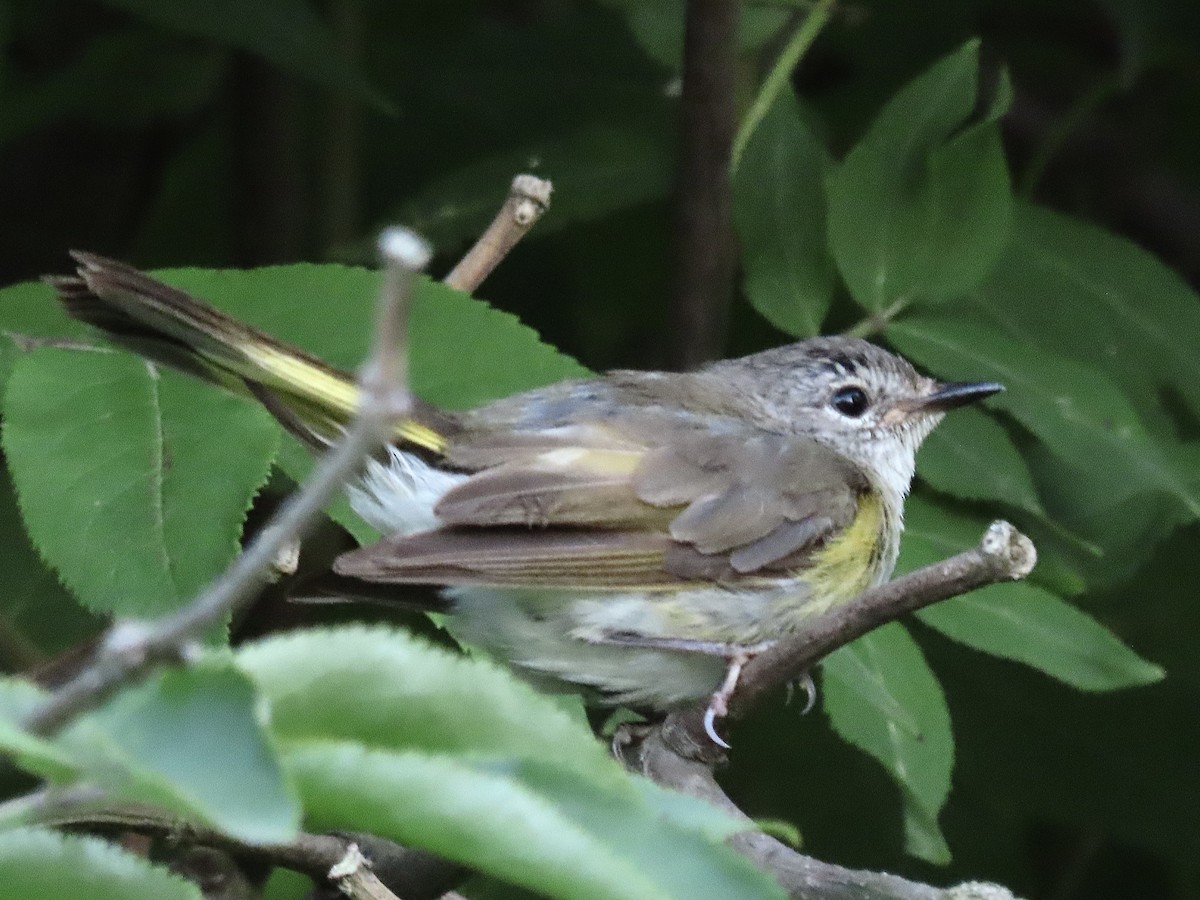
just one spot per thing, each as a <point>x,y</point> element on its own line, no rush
<point>1003,554</point>
<point>803,877</point>
<point>679,755</point>
<point>527,200</point>
<point>704,246</point>
<point>353,876</point>
<point>131,649</point>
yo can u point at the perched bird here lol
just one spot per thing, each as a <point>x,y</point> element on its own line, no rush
<point>635,533</point>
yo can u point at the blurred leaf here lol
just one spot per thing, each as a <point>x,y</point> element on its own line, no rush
<point>535,833</point>
<point>920,208</point>
<point>388,689</point>
<point>125,77</point>
<point>674,837</point>
<point>1075,410</point>
<point>191,741</point>
<point>1018,621</point>
<point>658,26</point>
<point>106,453</point>
<point>887,661</point>
<point>779,211</point>
<point>37,755</point>
<point>1073,289</point>
<point>596,170</point>
<point>287,33</point>
<point>37,864</point>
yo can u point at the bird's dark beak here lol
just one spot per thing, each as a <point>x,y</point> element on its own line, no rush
<point>951,395</point>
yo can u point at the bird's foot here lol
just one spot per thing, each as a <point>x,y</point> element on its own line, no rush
<point>718,704</point>
<point>805,683</point>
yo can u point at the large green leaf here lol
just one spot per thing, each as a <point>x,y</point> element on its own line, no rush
<point>192,741</point>
<point>1075,410</point>
<point>287,33</point>
<point>38,616</point>
<point>133,483</point>
<point>385,688</point>
<point>1074,289</point>
<point>1018,621</point>
<point>915,746</point>
<point>920,208</point>
<point>549,832</point>
<point>779,211</point>
<point>43,865</point>
<point>461,351</point>
<point>971,455</point>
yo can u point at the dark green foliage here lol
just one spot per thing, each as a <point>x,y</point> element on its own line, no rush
<point>995,208</point>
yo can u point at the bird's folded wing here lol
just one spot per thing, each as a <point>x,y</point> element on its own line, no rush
<point>695,506</point>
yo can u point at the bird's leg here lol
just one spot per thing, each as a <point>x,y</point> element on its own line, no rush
<point>735,655</point>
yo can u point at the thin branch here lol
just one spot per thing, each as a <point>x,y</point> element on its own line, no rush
<point>803,877</point>
<point>131,649</point>
<point>704,242</point>
<point>527,200</point>
<point>353,876</point>
<point>1003,554</point>
<point>802,38</point>
<point>374,868</point>
<point>679,755</point>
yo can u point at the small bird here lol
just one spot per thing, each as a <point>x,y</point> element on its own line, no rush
<point>638,535</point>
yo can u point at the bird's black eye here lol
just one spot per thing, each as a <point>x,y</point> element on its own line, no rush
<point>850,401</point>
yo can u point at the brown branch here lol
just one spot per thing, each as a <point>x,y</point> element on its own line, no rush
<point>132,649</point>
<point>678,754</point>
<point>527,200</point>
<point>704,245</point>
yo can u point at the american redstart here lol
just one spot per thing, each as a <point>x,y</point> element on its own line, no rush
<point>630,533</point>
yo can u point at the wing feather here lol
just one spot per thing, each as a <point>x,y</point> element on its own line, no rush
<point>649,499</point>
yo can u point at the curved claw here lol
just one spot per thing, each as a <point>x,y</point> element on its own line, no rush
<point>810,692</point>
<point>710,719</point>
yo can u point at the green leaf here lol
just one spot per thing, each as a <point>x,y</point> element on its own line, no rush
<point>1074,289</point>
<point>658,27</point>
<point>779,211</point>
<point>29,312</point>
<point>39,617</point>
<point>37,864</point>
<point>108,453</point>
<point>920,208</point>
<point>1018,621</point>
<point>970,455</point>
<point>918,752</point>
<point>191,741</point>
<point>461,351</point>
<point>1078,413</point>
<point>687,863</point>
<point>533,829</point>
<point>287,33</point>
<point>385,688</point>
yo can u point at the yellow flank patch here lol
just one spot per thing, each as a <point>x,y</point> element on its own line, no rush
<point>328,391</point>
<point>846,566</point>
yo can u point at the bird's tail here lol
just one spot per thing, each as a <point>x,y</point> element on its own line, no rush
<point>310,398</point>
